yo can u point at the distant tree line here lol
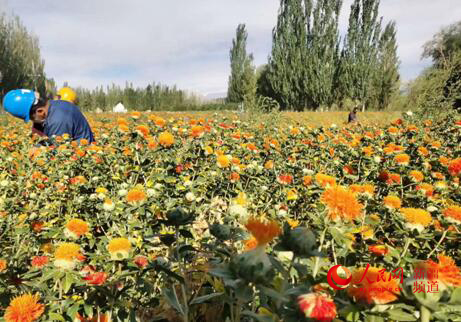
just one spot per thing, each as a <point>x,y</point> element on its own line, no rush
<point>311,67</point>
<point>152,97</point>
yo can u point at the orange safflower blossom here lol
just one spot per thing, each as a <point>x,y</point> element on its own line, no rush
<point>416,218</point>
<point>453,214</point>
<point>24,308</point>
<point>454,167</point>
<point>379,287</point>
<point>379,250</point>
<point>402,159</point>
<point>416,176</point>
<point>76,228</point>
<point>119,248</point>
<point>263,231</point>
<point>445,271</point>
<point>325,180</point>
<point>392,202</point>
<point>342,203</point>
<point>3,265</point>
<point>136,195</point>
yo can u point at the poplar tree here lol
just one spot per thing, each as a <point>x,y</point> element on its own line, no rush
<point>387,80</point>
<point>359,56</point>
<point>242,80</point>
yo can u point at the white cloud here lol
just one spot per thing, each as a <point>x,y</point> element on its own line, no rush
<point>183,42</point>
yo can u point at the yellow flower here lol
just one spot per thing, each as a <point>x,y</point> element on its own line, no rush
<point>101,190</point>
<point>292,194</point>
<point>223,161</point>
<point>166,139</point>
<point>119,248</point>
<point>392,202</point>
<point>416,218</point>
<point>66,255</point>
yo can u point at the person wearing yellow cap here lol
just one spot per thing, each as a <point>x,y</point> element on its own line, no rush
<point>67,94</point>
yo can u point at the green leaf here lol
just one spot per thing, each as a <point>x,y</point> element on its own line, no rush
<point>56,317</point>
<point>273,293</point>
<point>456,296</point>
<point>68,281</point>
<point>204,298</point>
<point>172,298</point>
<point>72,311</point>
<point>257,317</point>
<point>400,315</point>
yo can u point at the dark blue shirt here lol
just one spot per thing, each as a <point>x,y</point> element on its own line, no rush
<point>64,117</point>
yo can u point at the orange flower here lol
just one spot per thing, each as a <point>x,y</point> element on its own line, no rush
<point>402,159</point>
<point>76,228</point>
<point>3,265</point>
<point>394,178</point>
<point>250,244</point>
<point>66,255</point>
<point>453,214</point>
<point>317,306</point>
<point>143,130</point>
<point>39,261</point>
<point>307,180</point>
<point>234,177</point>
<point>366,189</point>
<point>197,131</point>
<point>136,195</point>
<point>166,139</point>
<point>324,180</point>
<point>423,151</point>
<point>264,232</point>
<point>416,218</point>
<point>416,176</point>
<point>368,150</point>
<point>378,250</point>
<point>24,308</point>
<point>119,248</point>
<point>392,202</point>
<point>454,167</point>
<point>446,271</point>
<point>284,179</point>
<point>342,203</point>
<point>393,130</point>
<point>426,188</point>
<point>376,287</point>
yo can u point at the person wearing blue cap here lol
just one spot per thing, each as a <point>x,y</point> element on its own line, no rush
<point>55,117</point>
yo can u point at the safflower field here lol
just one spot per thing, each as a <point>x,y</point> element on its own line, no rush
<point>207,217</point>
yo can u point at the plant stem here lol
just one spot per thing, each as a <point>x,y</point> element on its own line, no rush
<point>425,314</point>
<point>317,259</point>
<point>438,244</point>
<point>407,243</point>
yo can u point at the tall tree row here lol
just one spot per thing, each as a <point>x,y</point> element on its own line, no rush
<point>242,80</point>
<point>311,67</point>
<point>21,65</point>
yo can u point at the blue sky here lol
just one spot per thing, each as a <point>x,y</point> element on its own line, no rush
<point>186,42</point>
